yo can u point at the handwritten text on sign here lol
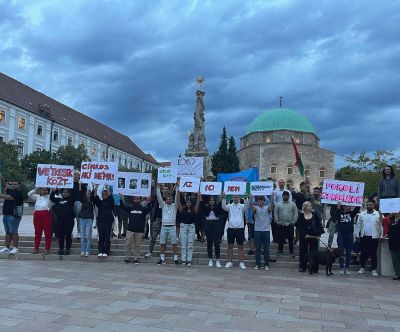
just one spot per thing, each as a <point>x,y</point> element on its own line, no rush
<point>234,187</point>
<point>188,166</point>
<point>261,188</point>
<point>189,184</point>
<point>211,188</point>
<point>99,172</point>
<point>349,193</point>
<point>54,176</point>
<point>166,175</point>
<point>389,205</point>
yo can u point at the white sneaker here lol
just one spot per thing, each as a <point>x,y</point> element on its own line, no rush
<point>210,263</point>
<point>228,265</point>
<point>5,250</point>
<point>347,272</point>
<point>82,254</point>
<point>147,254</point>
<point>14,251</point>
<point>361,270</point>
<point>266,268</point>
<point>242,266</point>
<point>256,267</point>
<point>105,255</point>
<point>218,263</point>
<point>100,255</point>
<point>86,254</point>
<point>341,271</point>
<point>375,273</point>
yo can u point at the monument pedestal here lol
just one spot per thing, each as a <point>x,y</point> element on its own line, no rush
<point>385,265</point>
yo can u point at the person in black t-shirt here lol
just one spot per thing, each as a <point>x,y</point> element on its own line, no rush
<point>12,213</point>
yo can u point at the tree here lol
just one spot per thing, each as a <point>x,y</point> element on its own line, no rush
<point>10,166</point>
<point>69,155</point>
<point>219,163</point>
<point>30,161</point>
<point>233,159</point>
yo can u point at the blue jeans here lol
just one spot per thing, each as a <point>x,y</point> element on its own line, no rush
<point>86,234</point>
<point>262,238</point>
<point>11,224</point>
<point>187,233</point>
<point>345,241</point>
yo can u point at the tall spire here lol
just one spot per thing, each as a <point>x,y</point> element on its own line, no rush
<point>280,101</point>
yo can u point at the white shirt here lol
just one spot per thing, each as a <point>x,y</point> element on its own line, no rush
<point>278,195</point>
<point>262,219</point>
<point>368,224</point>
<point>168,211</point>
<point>235,214</point>
<point>42,203</point>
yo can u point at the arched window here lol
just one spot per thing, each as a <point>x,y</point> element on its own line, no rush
<point>322,172</point>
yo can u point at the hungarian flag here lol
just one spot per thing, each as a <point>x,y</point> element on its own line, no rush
<point>299,163</point>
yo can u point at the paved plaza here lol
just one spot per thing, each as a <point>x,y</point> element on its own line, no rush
<point>105,296</point>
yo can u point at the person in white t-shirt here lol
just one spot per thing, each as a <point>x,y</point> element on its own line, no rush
<point>235,230</point>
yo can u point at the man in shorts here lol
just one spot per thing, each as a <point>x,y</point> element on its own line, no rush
<point>12,213</point>
<point>235,230</point>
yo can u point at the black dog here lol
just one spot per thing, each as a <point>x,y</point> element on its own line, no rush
<point>327,258</point>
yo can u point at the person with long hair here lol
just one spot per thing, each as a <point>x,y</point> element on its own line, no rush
<point>42,218</point>
<point>86,217</point>
<point>310,231</point>
<point>213,214</point>
<point>188,229</point>
<point>389,186</point>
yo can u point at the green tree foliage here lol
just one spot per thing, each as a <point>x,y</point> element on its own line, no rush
<point>10,166</point>
<point>30,161</point>
<point>367,167</point>
<point>69,155</point>
<point>219,163</point>
<point>233,159</point>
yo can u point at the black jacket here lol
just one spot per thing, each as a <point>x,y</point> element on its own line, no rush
<point>64,207</point>
<point>394,236</point>
<point>105,209</point>
<point>137,216</point>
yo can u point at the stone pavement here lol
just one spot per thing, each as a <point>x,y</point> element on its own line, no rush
<point>79,296</point>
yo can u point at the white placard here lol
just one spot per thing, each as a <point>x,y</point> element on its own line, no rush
<point>389,205</point>
<point>54,176</point>
<point>166,175</point>
<point>235,187</point>
<point>188,166</point>
<point>133,184</point>
<point>99,172</point>
<point>347,192</point>
<point>263,188</point>
<point>189,184</point>
<point>211,188</point>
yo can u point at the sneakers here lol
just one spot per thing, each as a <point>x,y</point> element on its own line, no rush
<point>105,255</point>
<point>266,268</point>
<point>35,251</point>
<point>82,254</point>
<point>147,254</point>
<point>86,254</point>
<point>126,261</point>
<point>5,250</point>
<point>100,254</point>
<point>375,273</point>
<point>210,263</point>
<point>242,266</point>
<point>361,270</point>
<point>228,265</point>
<point>66,252</point>
<point>347,272</point>
<point>160,262</point>
<point>341,271</point>
<point>46,252</point>
<point>176,262</point>
<point>60,252</point>
<point>136,261</point>
<point>250,253</point>
<point>189,264</point>
<point>13,251</point>
<point>218,263</point>
<point>256,267</point>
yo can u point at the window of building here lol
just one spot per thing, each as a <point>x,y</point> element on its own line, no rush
<point>104,155</point>
<point>267,138</point>
<point>322,172</point>
<point>297,140</point>
<point>55,136</point>
<point>120,160</point>
<point>112,157</point>
<point>38,149</point>
<point>21,122</point>
<point>94,150</point>
<point>20,148</point>
<point>273,169</point>
<point>1,139</point>
<point>307,171</point>
<point>290,170</point>
<point>2,115</point>
<point>69,140</point>
<point>131,164</point>
<point>39,130</point>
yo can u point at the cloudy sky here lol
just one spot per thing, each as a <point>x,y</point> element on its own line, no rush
<point>133,65</point>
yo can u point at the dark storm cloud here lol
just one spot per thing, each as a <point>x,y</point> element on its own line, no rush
<point>133,65</point>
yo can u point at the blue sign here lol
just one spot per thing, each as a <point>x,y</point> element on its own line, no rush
<point>248,175</point>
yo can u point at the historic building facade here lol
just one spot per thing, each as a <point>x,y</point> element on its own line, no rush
<point>35,122</point>
<point>267,146</point>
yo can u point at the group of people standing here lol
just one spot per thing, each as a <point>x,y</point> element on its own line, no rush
<point>290,216</point>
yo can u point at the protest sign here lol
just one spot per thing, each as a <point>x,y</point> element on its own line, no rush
<point>260,188</point>
<point>211,188</point>
<point>188,166</point>
<point>99,172</point>
<point>235,187</point>
<point>54,176</point>
<point>347,192</point>
<point>166,175</point>
<point>133,184</point>
<point>189,184</point>
<point>389,205</point>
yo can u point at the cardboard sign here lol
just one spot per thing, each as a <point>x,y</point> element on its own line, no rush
<point>166,175</point>
<point>54,176</point>
<point>133,184</point>
<point>188,166</point>
<point>261,188</point>
<point>389,205</point>
<point>99,172</point>
<point>235,187</point>
<point>347,192</point>
<point>211,188</point>
<point>189,184</point>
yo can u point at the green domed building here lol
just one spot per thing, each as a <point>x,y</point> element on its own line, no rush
<point>267,145</point>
